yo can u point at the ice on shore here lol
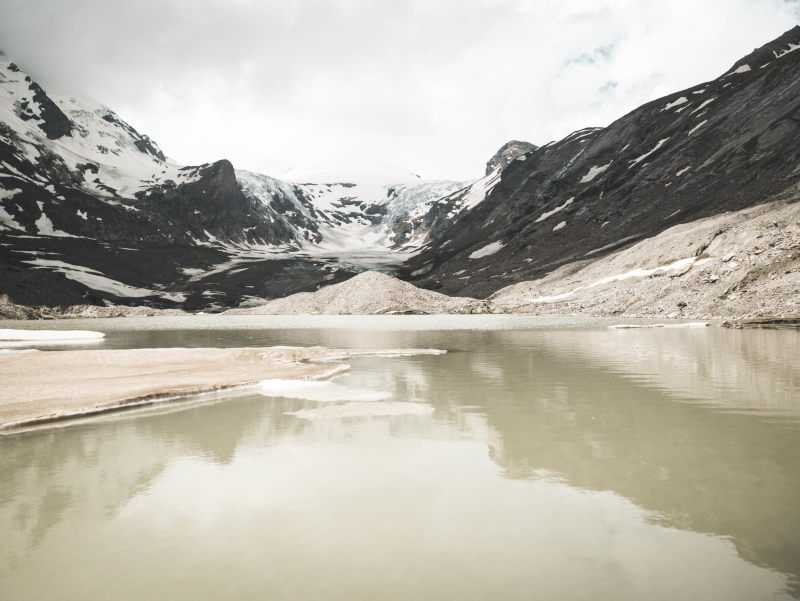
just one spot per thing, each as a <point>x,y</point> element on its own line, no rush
<point>629,326</point>
<point>326,391</point>
<point>49,335</point>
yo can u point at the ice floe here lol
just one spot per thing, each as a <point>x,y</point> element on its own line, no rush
<point>325,391</point>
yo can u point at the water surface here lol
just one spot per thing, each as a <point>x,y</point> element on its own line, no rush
<point>554,459</point>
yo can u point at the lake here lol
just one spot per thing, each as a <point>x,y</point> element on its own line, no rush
<point>540,458</point>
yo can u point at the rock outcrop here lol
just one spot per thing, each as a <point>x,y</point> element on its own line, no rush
<point>508,152</point>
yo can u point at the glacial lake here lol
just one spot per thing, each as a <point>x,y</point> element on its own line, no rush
<point>551,458</point>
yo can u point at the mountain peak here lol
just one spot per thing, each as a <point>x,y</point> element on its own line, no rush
<point>508,152</point>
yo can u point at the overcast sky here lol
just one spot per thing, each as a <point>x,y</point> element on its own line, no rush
<point>434,86</point>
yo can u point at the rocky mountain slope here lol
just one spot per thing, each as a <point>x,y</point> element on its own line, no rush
<point>719,146</point>
<point>93,212</point>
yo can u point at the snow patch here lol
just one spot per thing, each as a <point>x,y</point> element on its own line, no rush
<point>8,221</point>
<point>46,335</point>
<point>6,194</point>
<point>487,250</point>
<point>594,172</point>
<point>630,326</point>
<point>91,278</point>
<point>742,69</point>
<point>46,228</point>
<point>481,189</point>
<point>706,103</point>
<point>634,273</point>
<point>638,160</point>
<point>678,102</point>
<point>698,126</point>
<point>792,48</point>
<point>640,273</point>
<point>547,214</point>
<point>559,226</point>
<point>682,171</point>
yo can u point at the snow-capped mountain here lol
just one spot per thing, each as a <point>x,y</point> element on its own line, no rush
<point>92,211</point>
<point>365,213</point>
<point>719,146</point>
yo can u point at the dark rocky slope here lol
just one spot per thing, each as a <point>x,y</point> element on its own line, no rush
<point>718,146</point>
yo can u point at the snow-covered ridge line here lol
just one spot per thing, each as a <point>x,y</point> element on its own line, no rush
<point>351,215</point>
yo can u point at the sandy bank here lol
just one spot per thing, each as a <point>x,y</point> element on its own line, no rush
<point>50,385</point>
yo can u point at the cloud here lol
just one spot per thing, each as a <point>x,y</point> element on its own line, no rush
<point>435,86</point>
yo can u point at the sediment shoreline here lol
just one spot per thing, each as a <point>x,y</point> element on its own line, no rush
<point>52,386</point>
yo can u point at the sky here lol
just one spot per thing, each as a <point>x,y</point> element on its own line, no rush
<point>432,86</point>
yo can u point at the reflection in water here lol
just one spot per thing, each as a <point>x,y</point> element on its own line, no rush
<point>584,463</point>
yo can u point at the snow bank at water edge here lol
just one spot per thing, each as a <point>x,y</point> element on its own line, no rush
<point>326,391</point>
<point>49,335</point>
<point>630,326</point>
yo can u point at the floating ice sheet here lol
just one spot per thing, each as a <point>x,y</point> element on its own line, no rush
<point>326,391</point>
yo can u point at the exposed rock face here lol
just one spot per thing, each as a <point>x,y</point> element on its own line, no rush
<point>507,153</point>
<point>368,293</point>
<point>720,146</point>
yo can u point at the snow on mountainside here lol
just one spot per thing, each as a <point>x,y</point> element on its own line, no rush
<point>381,209</point>
<point>91,211</point>
<point>114,159</point>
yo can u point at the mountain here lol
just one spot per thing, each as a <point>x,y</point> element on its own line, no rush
<point>93,212</point>
<point>724,145</point>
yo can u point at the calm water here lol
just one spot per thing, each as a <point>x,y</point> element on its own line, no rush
<point>560,460</point>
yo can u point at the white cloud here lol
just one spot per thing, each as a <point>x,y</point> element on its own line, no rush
<point>435,86</point>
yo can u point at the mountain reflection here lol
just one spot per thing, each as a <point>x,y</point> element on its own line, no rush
<point>697,428</point>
